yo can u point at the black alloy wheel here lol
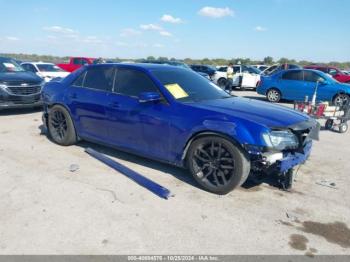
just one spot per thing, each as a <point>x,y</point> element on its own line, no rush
<point>61,128</point>
<point>217,165</point>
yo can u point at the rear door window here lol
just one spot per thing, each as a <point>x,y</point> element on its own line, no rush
<point>132,83</point>
<point>296,75</point>
<point>100,78</point>
<point>80,80</point>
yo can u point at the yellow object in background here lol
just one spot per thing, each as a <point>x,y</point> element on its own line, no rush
<point>176,90</point>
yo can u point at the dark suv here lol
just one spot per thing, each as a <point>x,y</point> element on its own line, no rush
<point>18,88</point>
<point>210,70</point>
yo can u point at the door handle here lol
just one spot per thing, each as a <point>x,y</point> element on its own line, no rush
<point>114,105</point>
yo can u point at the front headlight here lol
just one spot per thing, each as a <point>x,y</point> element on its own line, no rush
<point>281,140</point>
<point>3,88</point>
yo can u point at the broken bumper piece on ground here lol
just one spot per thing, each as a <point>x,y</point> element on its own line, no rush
<point>139,179</point>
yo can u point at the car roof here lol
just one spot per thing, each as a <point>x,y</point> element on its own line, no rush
<point>299,69</point>
<point>145,66</point>
<point>318,66</point>
<point>38,63</point>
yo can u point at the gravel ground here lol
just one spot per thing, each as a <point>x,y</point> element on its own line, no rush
<point>47,209</point>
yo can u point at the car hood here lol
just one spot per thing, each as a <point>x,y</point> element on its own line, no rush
<point>19,76</point>
<point>262,113</point>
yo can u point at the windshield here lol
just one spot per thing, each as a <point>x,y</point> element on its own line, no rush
<point>49,68</point>
<point>9,65</point>
<point>187,86</point>
<point>254,70</point>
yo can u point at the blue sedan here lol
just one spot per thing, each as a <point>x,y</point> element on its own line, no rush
<point>175,116</point>
<point>297,84</point>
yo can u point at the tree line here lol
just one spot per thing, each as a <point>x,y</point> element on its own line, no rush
<point>205,61</point>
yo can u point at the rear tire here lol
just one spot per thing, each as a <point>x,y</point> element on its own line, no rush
<point>61,127</point>
<point>329,124</point>
<point>217,164</point>
<point>273,95</point>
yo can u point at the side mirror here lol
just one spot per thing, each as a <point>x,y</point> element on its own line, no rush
<point>146,97</point>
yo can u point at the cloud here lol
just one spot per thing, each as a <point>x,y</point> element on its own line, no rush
<point>126,32</point>
<point>59,29</point>
<point>157,28</point>
<point>260,28</point>
<point>11,38</point>
<point>151,27</point>
<point>171,19</point>
<point>215,12</point>
<point>165,33</point>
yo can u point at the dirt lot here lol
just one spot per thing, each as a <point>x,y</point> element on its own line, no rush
<point>46,209</point>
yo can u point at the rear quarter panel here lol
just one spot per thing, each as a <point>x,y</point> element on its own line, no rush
<point>266,83</point>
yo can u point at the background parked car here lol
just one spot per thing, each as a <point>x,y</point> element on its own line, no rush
<point>18,88</point>
<point>75,63</point>
<point>207,69</point>
<point>279,67</point>
<point>46,71</point>
<point>296,84</point>
<point>333,71</point>
<point>244,76</point>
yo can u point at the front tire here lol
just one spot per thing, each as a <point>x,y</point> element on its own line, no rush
<point>61,127</point>
<point>341,99</point>
<point>273,95</point>
<point>343,128</point>
<point>222,82</point>
<point>217,164</point>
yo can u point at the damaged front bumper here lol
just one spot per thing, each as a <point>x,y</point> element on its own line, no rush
<point>281,163</point>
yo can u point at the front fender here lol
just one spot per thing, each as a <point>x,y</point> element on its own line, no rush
<point>238,132</point>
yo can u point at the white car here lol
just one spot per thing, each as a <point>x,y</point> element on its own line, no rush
<point>244,76</point>
<point>46,71</point>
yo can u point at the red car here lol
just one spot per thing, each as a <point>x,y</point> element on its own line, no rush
<point>76,62</point>
<point>333,71</point>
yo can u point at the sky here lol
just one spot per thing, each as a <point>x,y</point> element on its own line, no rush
<point>316,30</point>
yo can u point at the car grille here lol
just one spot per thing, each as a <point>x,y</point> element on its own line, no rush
<point>18,100</point>
<point>24,89</point>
